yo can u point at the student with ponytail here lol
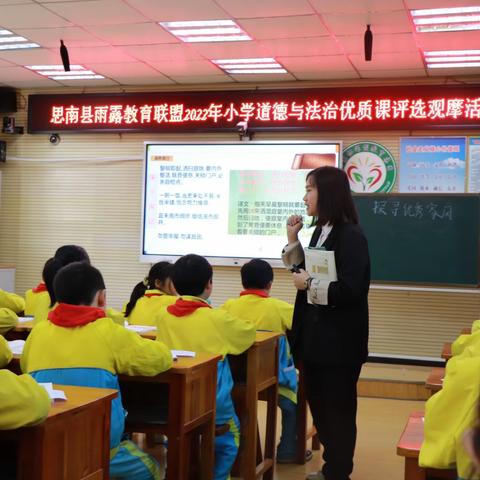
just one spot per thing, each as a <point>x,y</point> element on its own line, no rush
<point>155,292</point>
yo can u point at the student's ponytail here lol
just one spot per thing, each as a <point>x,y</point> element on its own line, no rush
<point>161,271</point>
<point>137,293</point>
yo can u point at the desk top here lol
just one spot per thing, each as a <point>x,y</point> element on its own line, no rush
<point>183,364</point>
<point>263,337</point>
<point>412,437</point>
<point>435,379</point>
<point>79,397</point>
<point>24,326</point>
<point>447,351</point>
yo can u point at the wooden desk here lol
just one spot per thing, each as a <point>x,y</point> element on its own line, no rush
<point>434,381</point>
<point>255,372</point>
<point>447,351</point>
<point>20,332</point>
<point>186,395</point>
<point>73,442</point>
<point>409,447</point>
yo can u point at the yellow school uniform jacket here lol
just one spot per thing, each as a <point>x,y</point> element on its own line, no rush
<point>5,352</point>
<point>449,413</point>
<point>11,301</point>
<point>210,330</point>
<point>8,320</point>
<point>115,315</point>
<point>42,309</point>
<point>266,313</point>
<point>22,401</point>
<point>275,315</point>
<point>148,306</point>
<point>36,298</point>
<point>467,342</point>
<point>207,330</point>
<point>91,355</point>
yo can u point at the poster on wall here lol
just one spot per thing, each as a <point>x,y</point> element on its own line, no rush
<point>474,165</point>
<point>432,165</point>
<point>370,167</point>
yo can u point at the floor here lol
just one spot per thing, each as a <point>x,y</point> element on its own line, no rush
<point>380,423</point>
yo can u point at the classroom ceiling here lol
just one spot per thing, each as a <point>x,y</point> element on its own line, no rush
<point>313,40</point>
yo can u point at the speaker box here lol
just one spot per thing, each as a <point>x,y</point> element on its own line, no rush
<point>8,100</point>
<point>3,151</point>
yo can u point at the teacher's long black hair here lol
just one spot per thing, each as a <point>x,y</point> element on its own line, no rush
<point>334,198</point>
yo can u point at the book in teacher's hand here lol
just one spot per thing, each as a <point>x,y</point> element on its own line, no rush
<point>320,264</point>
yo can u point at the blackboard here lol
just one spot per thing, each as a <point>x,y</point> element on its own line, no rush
<point>427,239</point>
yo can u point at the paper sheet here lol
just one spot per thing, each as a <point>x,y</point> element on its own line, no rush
<point>24,319</point>
<point>183,353</point>
<point>141,328</point>
<point>52,393</point>
<point>16,346</point>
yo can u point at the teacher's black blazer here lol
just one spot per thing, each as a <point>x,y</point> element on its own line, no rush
<point>337,333</point>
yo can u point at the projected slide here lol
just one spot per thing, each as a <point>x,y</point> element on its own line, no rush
<point>228,202</point>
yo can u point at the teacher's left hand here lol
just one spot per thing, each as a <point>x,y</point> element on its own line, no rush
<point>300,279</point>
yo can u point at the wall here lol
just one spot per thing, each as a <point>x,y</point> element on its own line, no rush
<point>87,190</point>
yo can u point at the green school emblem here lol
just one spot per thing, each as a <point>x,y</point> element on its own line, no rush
<point>370,167</point>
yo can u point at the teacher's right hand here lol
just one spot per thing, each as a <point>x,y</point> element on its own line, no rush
<point>294,225</point>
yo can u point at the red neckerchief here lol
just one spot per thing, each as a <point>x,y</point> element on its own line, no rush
<point>153,293</point>
<point>66,315</point>
<point>182,308</point>
<point>41,287</point>
<point>252,291</point>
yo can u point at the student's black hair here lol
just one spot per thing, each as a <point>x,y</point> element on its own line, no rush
<point>256,274</point>
<point>191,274</point>
<point>64,255</point>
<point>50,269</point>
<point>78,283</point>
<point>71,253</point>
<point>334,198</point>
<point>161,271</point>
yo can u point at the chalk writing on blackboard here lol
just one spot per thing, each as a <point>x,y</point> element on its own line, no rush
<point>416,210</point>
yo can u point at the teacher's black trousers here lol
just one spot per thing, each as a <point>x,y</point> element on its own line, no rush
<point>332,396</point>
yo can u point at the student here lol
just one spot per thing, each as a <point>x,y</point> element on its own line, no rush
<point>449,413</point>
<point>154,292</point>
<point>11,305</point>
<point>80,346</point>
<point>64,256</point>
<point>192,324</point>
<point>257,307</point>
<point>22,401</point>
<point>38,297</point>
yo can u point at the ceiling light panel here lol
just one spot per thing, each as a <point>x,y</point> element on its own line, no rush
<point>452,58</point>
<point>237,66</point>
<point>446,19</point>
<point>56,72</point>
<point>11,41</point>
<point>206,31</point>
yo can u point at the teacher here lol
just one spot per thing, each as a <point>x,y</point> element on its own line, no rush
<point>329,336</point>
